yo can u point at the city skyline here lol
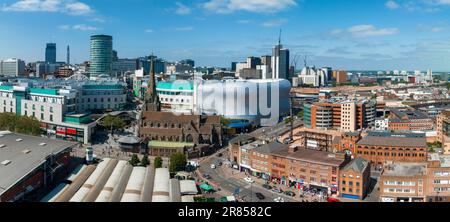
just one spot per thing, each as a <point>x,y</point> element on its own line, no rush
<point>361,35</point>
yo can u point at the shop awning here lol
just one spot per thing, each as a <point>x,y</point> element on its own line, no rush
<point>206,187</point>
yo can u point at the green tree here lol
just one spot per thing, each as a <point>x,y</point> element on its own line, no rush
<point>20,124</point>
<point>134,160</point>
<point>113,123</point>
<point>158,162</point>
<point>144,161</point>
<point>178,162</point>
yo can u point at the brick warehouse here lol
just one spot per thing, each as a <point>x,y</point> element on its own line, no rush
<point>28,163</point>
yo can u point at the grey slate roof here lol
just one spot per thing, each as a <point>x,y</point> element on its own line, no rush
<point>358,165</point>
<point>23,163</point>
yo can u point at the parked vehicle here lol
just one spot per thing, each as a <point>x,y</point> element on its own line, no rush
<point>267,187</point>
<point>277,190</point>
<point>332,200</point>
<point>213,166</point>
<point>207,176</point>
<point>249,180</point>
<point>260,196</point>
<point>279,200</point>
<point>289,193</point>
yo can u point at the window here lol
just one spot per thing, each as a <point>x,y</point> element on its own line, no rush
<point>51,109</point>
<point>34,107</point>
<point>42,116</point>
<point>51,118</point>
<point>42,108</point>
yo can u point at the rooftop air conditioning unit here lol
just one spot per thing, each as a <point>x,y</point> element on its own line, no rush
<point>42,144</point>
<point>19,140</point>
<point>2,145</point>
<point>26,151</point>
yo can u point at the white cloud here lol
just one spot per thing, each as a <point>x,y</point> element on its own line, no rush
<point>392,5</point>
<point>244,21</point>
<point>256,6</point>
<point>62,6</point>
<point>274,23</point>
<point>360,31</point>
<point>78,8</point>
<point>149,30</point>
<point>184,29</point>
<point>79,27</point>
<point>182,9</point>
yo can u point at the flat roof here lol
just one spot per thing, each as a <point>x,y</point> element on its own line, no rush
<point>166,144</point>
<point>22,163</point>
<point>406,169</point>
<point>310,156</point>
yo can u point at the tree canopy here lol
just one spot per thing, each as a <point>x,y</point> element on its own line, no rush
<point>113,122</point>
<point>134,160</point>
<point>145,161</point>
<point>178,162</point>
<point>158,162</point>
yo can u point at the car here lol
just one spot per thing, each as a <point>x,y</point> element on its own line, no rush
<point>289,193</point>
<point>219,155</point>
<point>213,166</point>
<point>260,196</point>
<point>277,190</point>
<point>249,180</point>
<point>219,164</point>
<point>207,176</point>
<point>267,187</point>
<point>279,200</point>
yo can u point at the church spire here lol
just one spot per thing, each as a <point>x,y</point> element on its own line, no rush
<point>151,98</point>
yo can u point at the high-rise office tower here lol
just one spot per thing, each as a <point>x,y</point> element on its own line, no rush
<point>280,62</point>
<point>188,62</point>
<point>252,62</point>
<point>101,55</point>
<point>50,53</point>
<point>68,55</point>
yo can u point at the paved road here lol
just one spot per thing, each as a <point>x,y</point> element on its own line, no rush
<point>274,131</point>
<point>230,184</point>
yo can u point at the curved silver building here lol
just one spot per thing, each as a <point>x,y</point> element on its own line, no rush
<point>260,101</point>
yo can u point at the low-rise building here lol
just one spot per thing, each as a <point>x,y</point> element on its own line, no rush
<point>409,120</point>
<point>28,163</point>
<point>354,179</point>
<point>438,178</point>
<point>381,147</point>
<point>403,182</point>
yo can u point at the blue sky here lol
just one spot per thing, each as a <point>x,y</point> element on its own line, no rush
<point>346,34</point>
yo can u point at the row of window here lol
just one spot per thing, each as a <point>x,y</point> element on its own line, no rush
<point>391,190</point>
<point>172,100</point>
<point>400,183</point>
<point>350,183</point>
<point>33,107</point>
<point>387,154</point>
<point>33,114</point>
<point>350,190</point>
<point>101,100</point>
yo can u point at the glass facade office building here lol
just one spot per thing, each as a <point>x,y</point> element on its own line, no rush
<point>101,55</point>
<point>50,53</point>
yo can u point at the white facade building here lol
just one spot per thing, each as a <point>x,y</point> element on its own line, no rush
<point>12,67</point>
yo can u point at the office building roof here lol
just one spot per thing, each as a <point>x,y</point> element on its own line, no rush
<point>393,141</point>
<point>405,169</point>
<point>310,156</point>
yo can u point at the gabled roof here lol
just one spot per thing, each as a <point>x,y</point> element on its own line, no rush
<point>357,165</point>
